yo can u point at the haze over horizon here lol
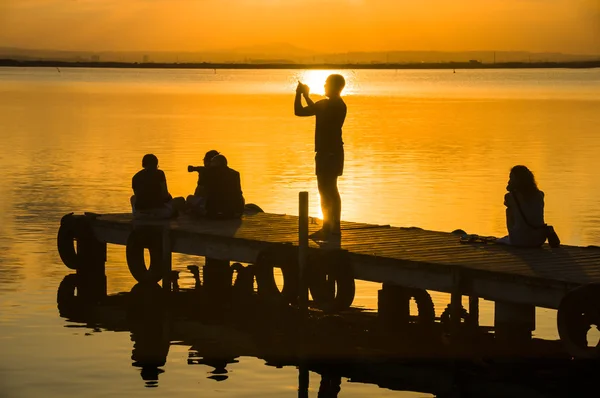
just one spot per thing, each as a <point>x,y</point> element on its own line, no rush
<point>566,26</point>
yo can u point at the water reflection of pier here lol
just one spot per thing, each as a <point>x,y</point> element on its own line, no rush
<point>356,347</point>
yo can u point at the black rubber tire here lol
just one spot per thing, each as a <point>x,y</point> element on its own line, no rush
<point>265,279</point>
<point>65,241</point>
<point>425,306</point>
<point>138,240</point>
<point>253,208</point>
<point>577,311</point>
<point>332,269</point>
<point>445,317</point>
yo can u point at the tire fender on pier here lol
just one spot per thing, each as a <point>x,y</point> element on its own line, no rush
<point>331,281</point>
<point>578,311</point>
<point>138,240</point>
<point>446,317</point>
<point>265,278</point>
<point>425,307</point>
<point>73,229</point>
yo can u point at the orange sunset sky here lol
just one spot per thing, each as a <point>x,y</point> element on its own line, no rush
<point>571,26</point>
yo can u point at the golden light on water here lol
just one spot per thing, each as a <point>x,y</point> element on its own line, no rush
<point>315,79</point>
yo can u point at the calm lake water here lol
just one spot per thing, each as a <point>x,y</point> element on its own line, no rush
<point>423,148</point>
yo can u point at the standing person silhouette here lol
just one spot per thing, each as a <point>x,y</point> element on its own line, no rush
<point>329,159</point>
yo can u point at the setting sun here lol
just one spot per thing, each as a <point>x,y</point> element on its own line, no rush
<point>315,79</point>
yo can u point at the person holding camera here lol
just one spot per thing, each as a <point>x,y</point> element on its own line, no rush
<point>219,191</point>
<point>197,202</point>
<point>224,198</point>
<point>329,159</point>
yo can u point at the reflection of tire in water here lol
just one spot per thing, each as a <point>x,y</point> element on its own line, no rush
<point>578,311</point>
<point>67,290</point>
<point>149,330</point>
<point>69,305</point>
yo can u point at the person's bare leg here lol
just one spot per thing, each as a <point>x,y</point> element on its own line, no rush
<point>325,193</point>
<point>336,207</point>
<point>322,183</point>
<point>331,204</point>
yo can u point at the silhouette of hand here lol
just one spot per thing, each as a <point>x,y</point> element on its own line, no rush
<point>305,90</point>
<point>300,88</point>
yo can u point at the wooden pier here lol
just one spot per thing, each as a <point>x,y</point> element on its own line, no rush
<point>403,260</point>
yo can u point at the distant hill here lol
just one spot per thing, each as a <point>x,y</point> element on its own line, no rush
<point>287,53</point>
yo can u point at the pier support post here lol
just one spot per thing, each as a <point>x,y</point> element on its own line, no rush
<point>217,275</point>
<point>303,381</point>
<point>167,259</point>
<point>91,273</point>
<point>456,303</point>
<point>303,251</point>
<point>513,323</point>
<point>473,311</point>
<point>393,307</point>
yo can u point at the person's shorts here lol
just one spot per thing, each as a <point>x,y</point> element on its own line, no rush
<point>329,163</point>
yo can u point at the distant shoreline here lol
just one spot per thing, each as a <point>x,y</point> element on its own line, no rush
<point>374,66</point>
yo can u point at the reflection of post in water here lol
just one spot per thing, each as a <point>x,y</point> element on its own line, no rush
<point>330,386</point>
<point>217,280</point>
<point>303,381</point>
<point>148,322</point>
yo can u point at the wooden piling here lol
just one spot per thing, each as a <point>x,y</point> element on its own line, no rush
<point>91,273</point>
<point>473,311</point>
<point>393,307</point>
<point>167,258</point>
<point>456,302</point>
<point>303,251</point>
<point>513,323</point>
<point>303,381</point>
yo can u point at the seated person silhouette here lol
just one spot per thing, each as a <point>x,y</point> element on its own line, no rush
<point>196,203</point>
<point>151,198</point>
<point>224,198</point>
<point>524,210</point>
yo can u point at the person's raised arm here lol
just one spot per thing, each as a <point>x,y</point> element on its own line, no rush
<point>299,110</point>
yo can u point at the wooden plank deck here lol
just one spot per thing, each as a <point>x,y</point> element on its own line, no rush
<point>380,253</point>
